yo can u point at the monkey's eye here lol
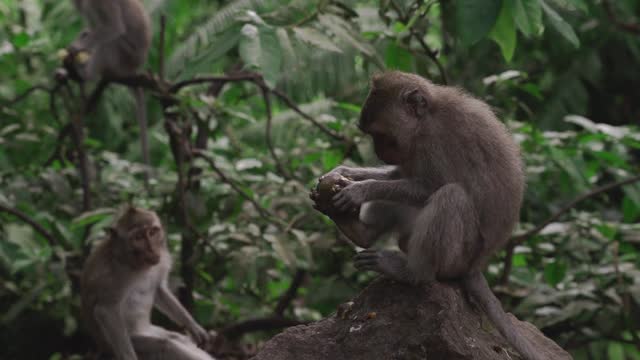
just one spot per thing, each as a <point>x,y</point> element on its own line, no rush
<point>153,231</point>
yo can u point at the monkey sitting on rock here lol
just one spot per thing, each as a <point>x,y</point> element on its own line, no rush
<point>452,189</point>
<point>122,280</point>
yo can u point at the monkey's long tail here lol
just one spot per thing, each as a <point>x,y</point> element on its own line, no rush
<point>141,115</point>
<point>477,286</point>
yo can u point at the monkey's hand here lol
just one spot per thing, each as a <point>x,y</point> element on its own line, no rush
<point>392,264</point>
<point>80,43</point>
<point>342,171</point>
<point>353,195</point>
<point>199,334</point>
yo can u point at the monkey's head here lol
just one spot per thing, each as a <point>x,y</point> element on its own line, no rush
<point>393,114</point>
<point>139,236</point>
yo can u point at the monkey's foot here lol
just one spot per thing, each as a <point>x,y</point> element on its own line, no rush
<point>392,264</point>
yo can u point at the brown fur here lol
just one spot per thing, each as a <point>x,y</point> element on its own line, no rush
<point>123,278</point>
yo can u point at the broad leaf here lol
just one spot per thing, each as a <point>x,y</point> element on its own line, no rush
<point>560,25</point>
<point>260,49</point>
<point>527,15</point>
<point>504,33</point>
<point>341,29</point>
<point>313,37</point>
<point>396,57</point>
<point>475,18</point>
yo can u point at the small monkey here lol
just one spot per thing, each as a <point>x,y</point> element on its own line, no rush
<point>114,45</point>
<point>452,189</point>
<point>122,280</point>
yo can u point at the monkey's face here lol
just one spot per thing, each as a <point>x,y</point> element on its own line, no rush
<point>387,148</point>
<point>146,244</point>
<point>390,129</point>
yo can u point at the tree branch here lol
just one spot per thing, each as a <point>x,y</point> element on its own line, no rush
<point>518,239</point>
<point>291,292</point>
<point>633,28</point>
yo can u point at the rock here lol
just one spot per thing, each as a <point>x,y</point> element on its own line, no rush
<point>400,322</point>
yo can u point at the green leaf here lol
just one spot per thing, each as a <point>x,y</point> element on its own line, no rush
<point>250,46</point>
<point>342,30</point>
<point>475,18</point>
<point>615,351</point>
<point>91,217</point>
<point>527,15</point>
<point>519,260</point>
<point>504,32</point>
<point>572,5</point>
<point>396,57</point>
<point>560,25</point>
<point>630,210</point>
<point>331,159</point>
<point>554,272</point>
<point>315,38</point>
<point>20,40</point>
<point>289,54</point>
<point>260,49</point>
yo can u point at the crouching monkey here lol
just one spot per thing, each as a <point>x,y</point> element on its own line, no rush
<point>452,189</point>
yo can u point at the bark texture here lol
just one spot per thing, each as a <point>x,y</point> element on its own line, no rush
<point>398,322</point>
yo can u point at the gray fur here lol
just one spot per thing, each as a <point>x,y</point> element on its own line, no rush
<point>117,39</point>
<point>455,185</point>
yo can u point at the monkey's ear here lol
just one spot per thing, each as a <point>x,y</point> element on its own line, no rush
<point>416,101</point>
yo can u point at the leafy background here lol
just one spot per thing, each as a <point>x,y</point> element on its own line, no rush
<point>563,74</point>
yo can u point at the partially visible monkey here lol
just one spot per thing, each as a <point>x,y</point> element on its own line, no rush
<point>453,190</point>
<point>114,45</point>
<point>123,278</point>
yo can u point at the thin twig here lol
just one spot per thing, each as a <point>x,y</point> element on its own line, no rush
<point>433,55</point>
<point>64,132</point>
<point>83,162</point>
<point>282,96</point>
<point>633,28</point>
<point>163,24</point>
<point>261,210</point>
<point>272,150</point>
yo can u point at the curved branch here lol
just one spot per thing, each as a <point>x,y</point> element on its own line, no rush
<point>272,150</point>
<point>282,96</point>
<point>604,188</point>
<point>37,227</point>
<point>433,55</point>
<point>291,292</point>
<point>261,210</point>
<point>28,92</point>
<point>209,79</point>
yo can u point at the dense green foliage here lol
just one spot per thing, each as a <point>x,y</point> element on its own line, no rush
<point>563,74</point>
